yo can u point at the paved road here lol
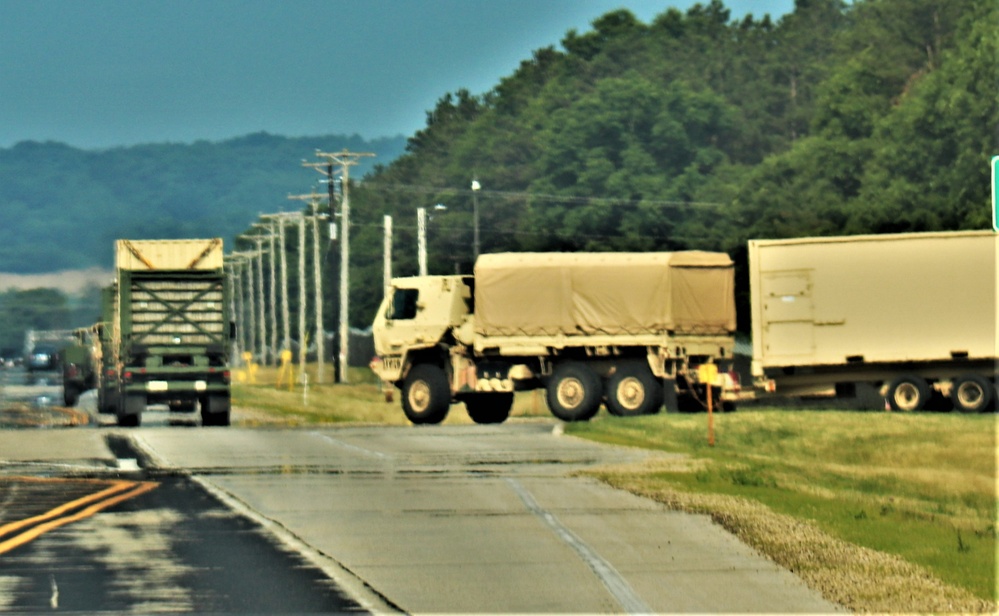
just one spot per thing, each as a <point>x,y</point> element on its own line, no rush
<point>423,519</point>
<point>478,519</point>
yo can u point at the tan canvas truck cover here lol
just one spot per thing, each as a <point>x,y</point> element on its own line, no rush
<point>875,298</point>
<point>137,255</point>
<point>579,294</point>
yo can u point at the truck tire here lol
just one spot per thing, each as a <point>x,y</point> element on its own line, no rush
<point>574,392</point>
<point>215,411</point>
<point>972,393</point>
<point>70,394</point>
<point>489,408</point>
<point>130,411</point>
<point>426,395</point>
<point>634,390</point>
<point>908,393</point>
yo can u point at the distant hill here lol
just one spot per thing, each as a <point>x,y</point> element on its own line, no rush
<point>62,207</point>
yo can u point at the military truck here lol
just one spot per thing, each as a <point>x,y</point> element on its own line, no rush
<point>626,329</point>
<point>79,364</point>
<point>912,316</point>
<point>164,337</point>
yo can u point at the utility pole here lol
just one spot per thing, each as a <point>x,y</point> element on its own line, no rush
<point>345,159</point>
<point>314,200</point>
<point>250,330</point>
<point>387,255</point>
<point>230,263</point>
<point>302,336</point>
<point>475,218</point>
<point>421,239</point>
<point>262,322</point>
<point>272,346</point>
<point>279,220</point>
<point>274,330</point>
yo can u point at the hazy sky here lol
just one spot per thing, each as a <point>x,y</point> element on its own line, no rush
<point>101,73</point>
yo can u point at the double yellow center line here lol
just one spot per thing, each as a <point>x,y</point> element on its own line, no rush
<point>31,528</point>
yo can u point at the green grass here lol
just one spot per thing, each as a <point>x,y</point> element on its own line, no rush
<point>919,486</point>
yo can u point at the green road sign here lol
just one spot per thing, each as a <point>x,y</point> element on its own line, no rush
<point>995,193</point>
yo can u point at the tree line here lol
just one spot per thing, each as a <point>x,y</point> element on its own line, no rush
<point>698,131</point>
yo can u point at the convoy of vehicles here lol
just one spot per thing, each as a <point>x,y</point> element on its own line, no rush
<point>164,337</point>
<point>627,329</point>
<point>913,314</point>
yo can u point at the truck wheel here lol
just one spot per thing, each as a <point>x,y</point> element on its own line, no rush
<point>908,393</point>
<point>574,392</point>
<point>489,408</point>
<point>70,394</point>
<point>972,393</point>
<point>634,390</point>
<point>426,395</point>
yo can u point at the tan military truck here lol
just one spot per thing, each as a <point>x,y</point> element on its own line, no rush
<point>913,315</point>
<point>625,329</point>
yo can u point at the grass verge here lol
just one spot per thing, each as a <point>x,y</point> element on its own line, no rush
<point>881,512</point>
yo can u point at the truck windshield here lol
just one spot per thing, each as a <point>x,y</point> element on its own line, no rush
<point>404,304</point>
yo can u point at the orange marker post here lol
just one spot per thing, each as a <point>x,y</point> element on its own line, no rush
<point>708,374</point>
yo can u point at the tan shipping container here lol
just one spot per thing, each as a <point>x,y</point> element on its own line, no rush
<point>195,254</point>
<point>891,299</point>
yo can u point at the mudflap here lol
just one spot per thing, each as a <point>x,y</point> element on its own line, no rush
<point>215,410</point>
<point>130,410</point>
<point>670,400</point>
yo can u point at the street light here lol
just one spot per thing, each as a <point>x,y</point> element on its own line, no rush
<point>475,214</point>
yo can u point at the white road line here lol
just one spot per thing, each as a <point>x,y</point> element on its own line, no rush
<point>612,580</point>
<point>339,443</point>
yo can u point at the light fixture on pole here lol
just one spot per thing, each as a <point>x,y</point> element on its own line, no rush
<point>475,215</point>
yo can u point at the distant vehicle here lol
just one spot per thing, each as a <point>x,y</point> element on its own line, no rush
<point>630,329</point>
<point>43,358</point>
<point>913,315</point>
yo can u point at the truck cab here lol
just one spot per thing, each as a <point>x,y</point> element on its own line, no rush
<point>417,314</point>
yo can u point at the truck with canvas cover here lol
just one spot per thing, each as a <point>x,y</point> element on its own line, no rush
<point>625,329</point>
<point>165,335</point>
<point>911,315</point>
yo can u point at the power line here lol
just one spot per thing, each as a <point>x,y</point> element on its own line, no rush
<point>533,196</point>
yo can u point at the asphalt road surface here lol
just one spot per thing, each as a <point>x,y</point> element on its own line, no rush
<point>382,519</point>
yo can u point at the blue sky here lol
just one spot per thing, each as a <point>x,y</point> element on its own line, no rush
<point>103,73</point>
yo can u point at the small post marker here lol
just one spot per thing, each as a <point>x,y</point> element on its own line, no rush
<point>708,374</point>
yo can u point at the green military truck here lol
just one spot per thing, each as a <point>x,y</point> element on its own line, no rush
<point>628,330</point>
<point>165,336</point>
<point>79,364</point>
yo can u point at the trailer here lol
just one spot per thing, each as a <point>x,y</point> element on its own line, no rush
<point>913,315</point>
<point>628,330</point>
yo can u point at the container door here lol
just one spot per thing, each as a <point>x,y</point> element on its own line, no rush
<point>787,313</point>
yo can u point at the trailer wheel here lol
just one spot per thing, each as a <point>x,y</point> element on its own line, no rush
<point>908,393</point>
<point>634,390</point>
<point>574,392</point>
<point>426,395</point>
<point>972,393</point>
<point>489,408</point>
